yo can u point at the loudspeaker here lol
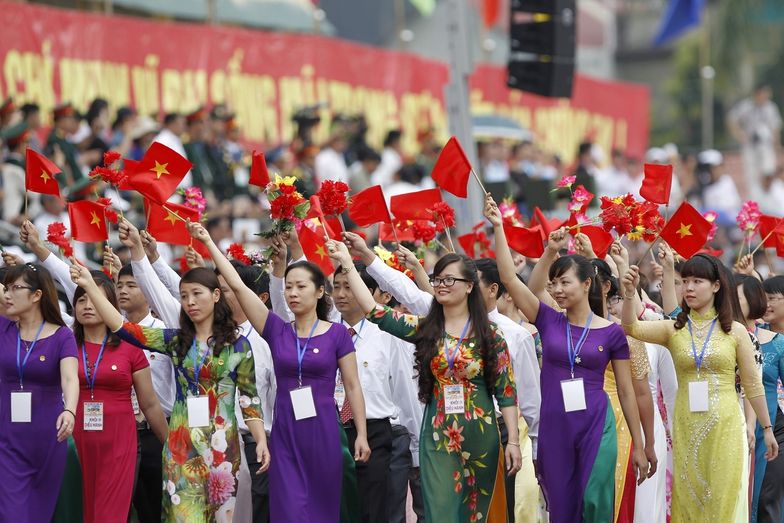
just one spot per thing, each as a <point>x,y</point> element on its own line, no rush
<point>542,46</point>
<point>545,78</point>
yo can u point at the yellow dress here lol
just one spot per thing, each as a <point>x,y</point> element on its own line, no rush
<point>709,448</point>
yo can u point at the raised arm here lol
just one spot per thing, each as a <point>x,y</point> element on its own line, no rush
<point>668,294</point>
<point>393,281</point>
<point>524,299</point>
<point>28,234</point>
<point>166,306</point>
<point>82,277</point>
<point>411,262</point>
<point>251,304</point>
<point>277,285</point>
<point>651,331</point>
<point>340,255</point>
<point>540,274</point>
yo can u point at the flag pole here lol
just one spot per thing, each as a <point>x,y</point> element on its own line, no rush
<point>752,253</point>
<point>394,232</point>
<point>172,213</point>
<point>476,177</point>
<point>648,250</point>
<point>448,235</point>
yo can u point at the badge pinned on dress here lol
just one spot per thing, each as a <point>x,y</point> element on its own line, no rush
<point>42,357</point>
<point>315,351</point>
<point>114,367</point>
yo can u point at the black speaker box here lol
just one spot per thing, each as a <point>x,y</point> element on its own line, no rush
<point>551,78</point>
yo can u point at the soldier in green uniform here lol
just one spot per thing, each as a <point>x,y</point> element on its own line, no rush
<point>66,122</point>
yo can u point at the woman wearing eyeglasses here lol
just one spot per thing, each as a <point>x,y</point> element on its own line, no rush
<point>463,363</point>
<point>39,391</point>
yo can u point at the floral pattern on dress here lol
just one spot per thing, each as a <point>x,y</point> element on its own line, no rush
<point>201,464</point>
<point>463,439</point>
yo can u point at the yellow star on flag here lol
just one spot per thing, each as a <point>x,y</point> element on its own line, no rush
<point>160,169</point>
<point>45,176</point>
<point>172,217</point>
<point>95,220</point>
<point>781,239</point>
<point>321,252</point>
<point>684,230</point>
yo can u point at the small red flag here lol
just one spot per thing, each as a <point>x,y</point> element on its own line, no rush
<point>452,169</point>
<point>368,207</point>
<point>165,226</point>
<point>415,205</point>
<point>322,223</point>
<point>259,175</point>
<point>468,243</point>
<point>779,245</point>
<point>159,173</point>
<point>404,233</point>
<point>527,242</point>
<point>601,240</point>
<point>314,247</point>
<point>687,231</point>
<point>39,174</point>
<point>770,226</point>
<point>88,221</point>
<point>547,225</point>
<point>657,183</point>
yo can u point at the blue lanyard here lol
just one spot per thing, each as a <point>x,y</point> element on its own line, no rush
<point>698,359</point>
<point>451,355</point>
<point>302,350</point>
<point>573,351</point>
<point>198,364</point>
<point>355,337</point>
<point>90,377</point>
<point>21,364</point>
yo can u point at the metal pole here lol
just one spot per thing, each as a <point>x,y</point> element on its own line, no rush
<point>108,6</point>
<point>212,11</point>
<point>707,73</point>
<point>400,22</point>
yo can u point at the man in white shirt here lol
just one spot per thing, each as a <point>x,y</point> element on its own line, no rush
<point>391,160</point>
<point>171,137</point>
<point>756,123</point>
<point>330,162</point>
<point>379,358</point>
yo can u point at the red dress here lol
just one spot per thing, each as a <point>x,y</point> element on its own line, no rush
<point>108,456</point>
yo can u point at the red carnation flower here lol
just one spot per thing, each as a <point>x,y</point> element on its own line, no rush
<point>236,252</point>
<point>423,231</point>
<point>55,234</point>
<point>110,157</point>
<point>332,196</point>
<point>442,215</point>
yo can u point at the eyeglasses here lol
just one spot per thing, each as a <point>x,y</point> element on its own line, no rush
<point>14,288</point>
<point>614,300</point>
<point>446,282</point>
<point>775,297</point>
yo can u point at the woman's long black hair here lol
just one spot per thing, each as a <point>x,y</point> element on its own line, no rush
<point>224,328</point>
<point>709,268</point>
<point>431,330</point>
<point>107,285</point>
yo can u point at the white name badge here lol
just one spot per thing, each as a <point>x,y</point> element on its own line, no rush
<point>198,411</point>
<point>340,394</point>
<point>302,402</point>
<point>454,400</point>
<point>573,394</point>
<point>93,415</point>
<point>21,406</point>
<point>698,396</point>
<point>135,402</point>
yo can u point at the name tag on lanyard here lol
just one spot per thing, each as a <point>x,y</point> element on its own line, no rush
<point>573,392</point>
<point>93,415</point>
<point>698,396</point>
<point>454,399</point>
<point>198,411</point>
<point>21,406</point>
<point>302,402</point>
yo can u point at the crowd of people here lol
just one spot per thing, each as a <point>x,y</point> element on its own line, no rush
<point>491,388</point>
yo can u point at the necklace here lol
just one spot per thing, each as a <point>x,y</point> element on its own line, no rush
<point>700,326</point>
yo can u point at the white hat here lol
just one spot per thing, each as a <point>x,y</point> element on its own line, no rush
<point>144,125</point>
<point>710,157</point>
<point>656,155</point>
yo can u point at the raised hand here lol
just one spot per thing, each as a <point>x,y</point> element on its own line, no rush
<point>80,275</point>
<point>111,261</point>
<point>631,280</point>
<point>339,253</point>
<point>666,256</point>
<point>745,265</point>
<point>198,232</point>
<point>558,240</point>
<point>491,211</point>
<point>193,259</point>
<point>129,234</point>
<point>12,260</point>
<point>28,234</point>
<point>583,246</point>
<point>358,247</point>
<point>408,258</point>
<point>150,245</point>
<point>619,254</point>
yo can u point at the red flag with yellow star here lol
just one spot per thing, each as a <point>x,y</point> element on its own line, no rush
<point>39,174</point>
<point>311,237</point>
<point>687,231</point>
<point>88,221</point>
<point>159,173</point>
<point>167,225</point>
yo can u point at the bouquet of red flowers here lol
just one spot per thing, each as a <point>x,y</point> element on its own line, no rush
<point>333,197</point>
<point>287,205</point>
<point>55,234</point>
<point>237,252</point>
<point>423,231</point>
<point>647,222</point>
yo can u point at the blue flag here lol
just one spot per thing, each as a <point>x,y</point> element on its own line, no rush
<point>679,16</point>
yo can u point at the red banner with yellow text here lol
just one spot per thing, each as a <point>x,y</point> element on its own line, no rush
<point>50,55</point>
